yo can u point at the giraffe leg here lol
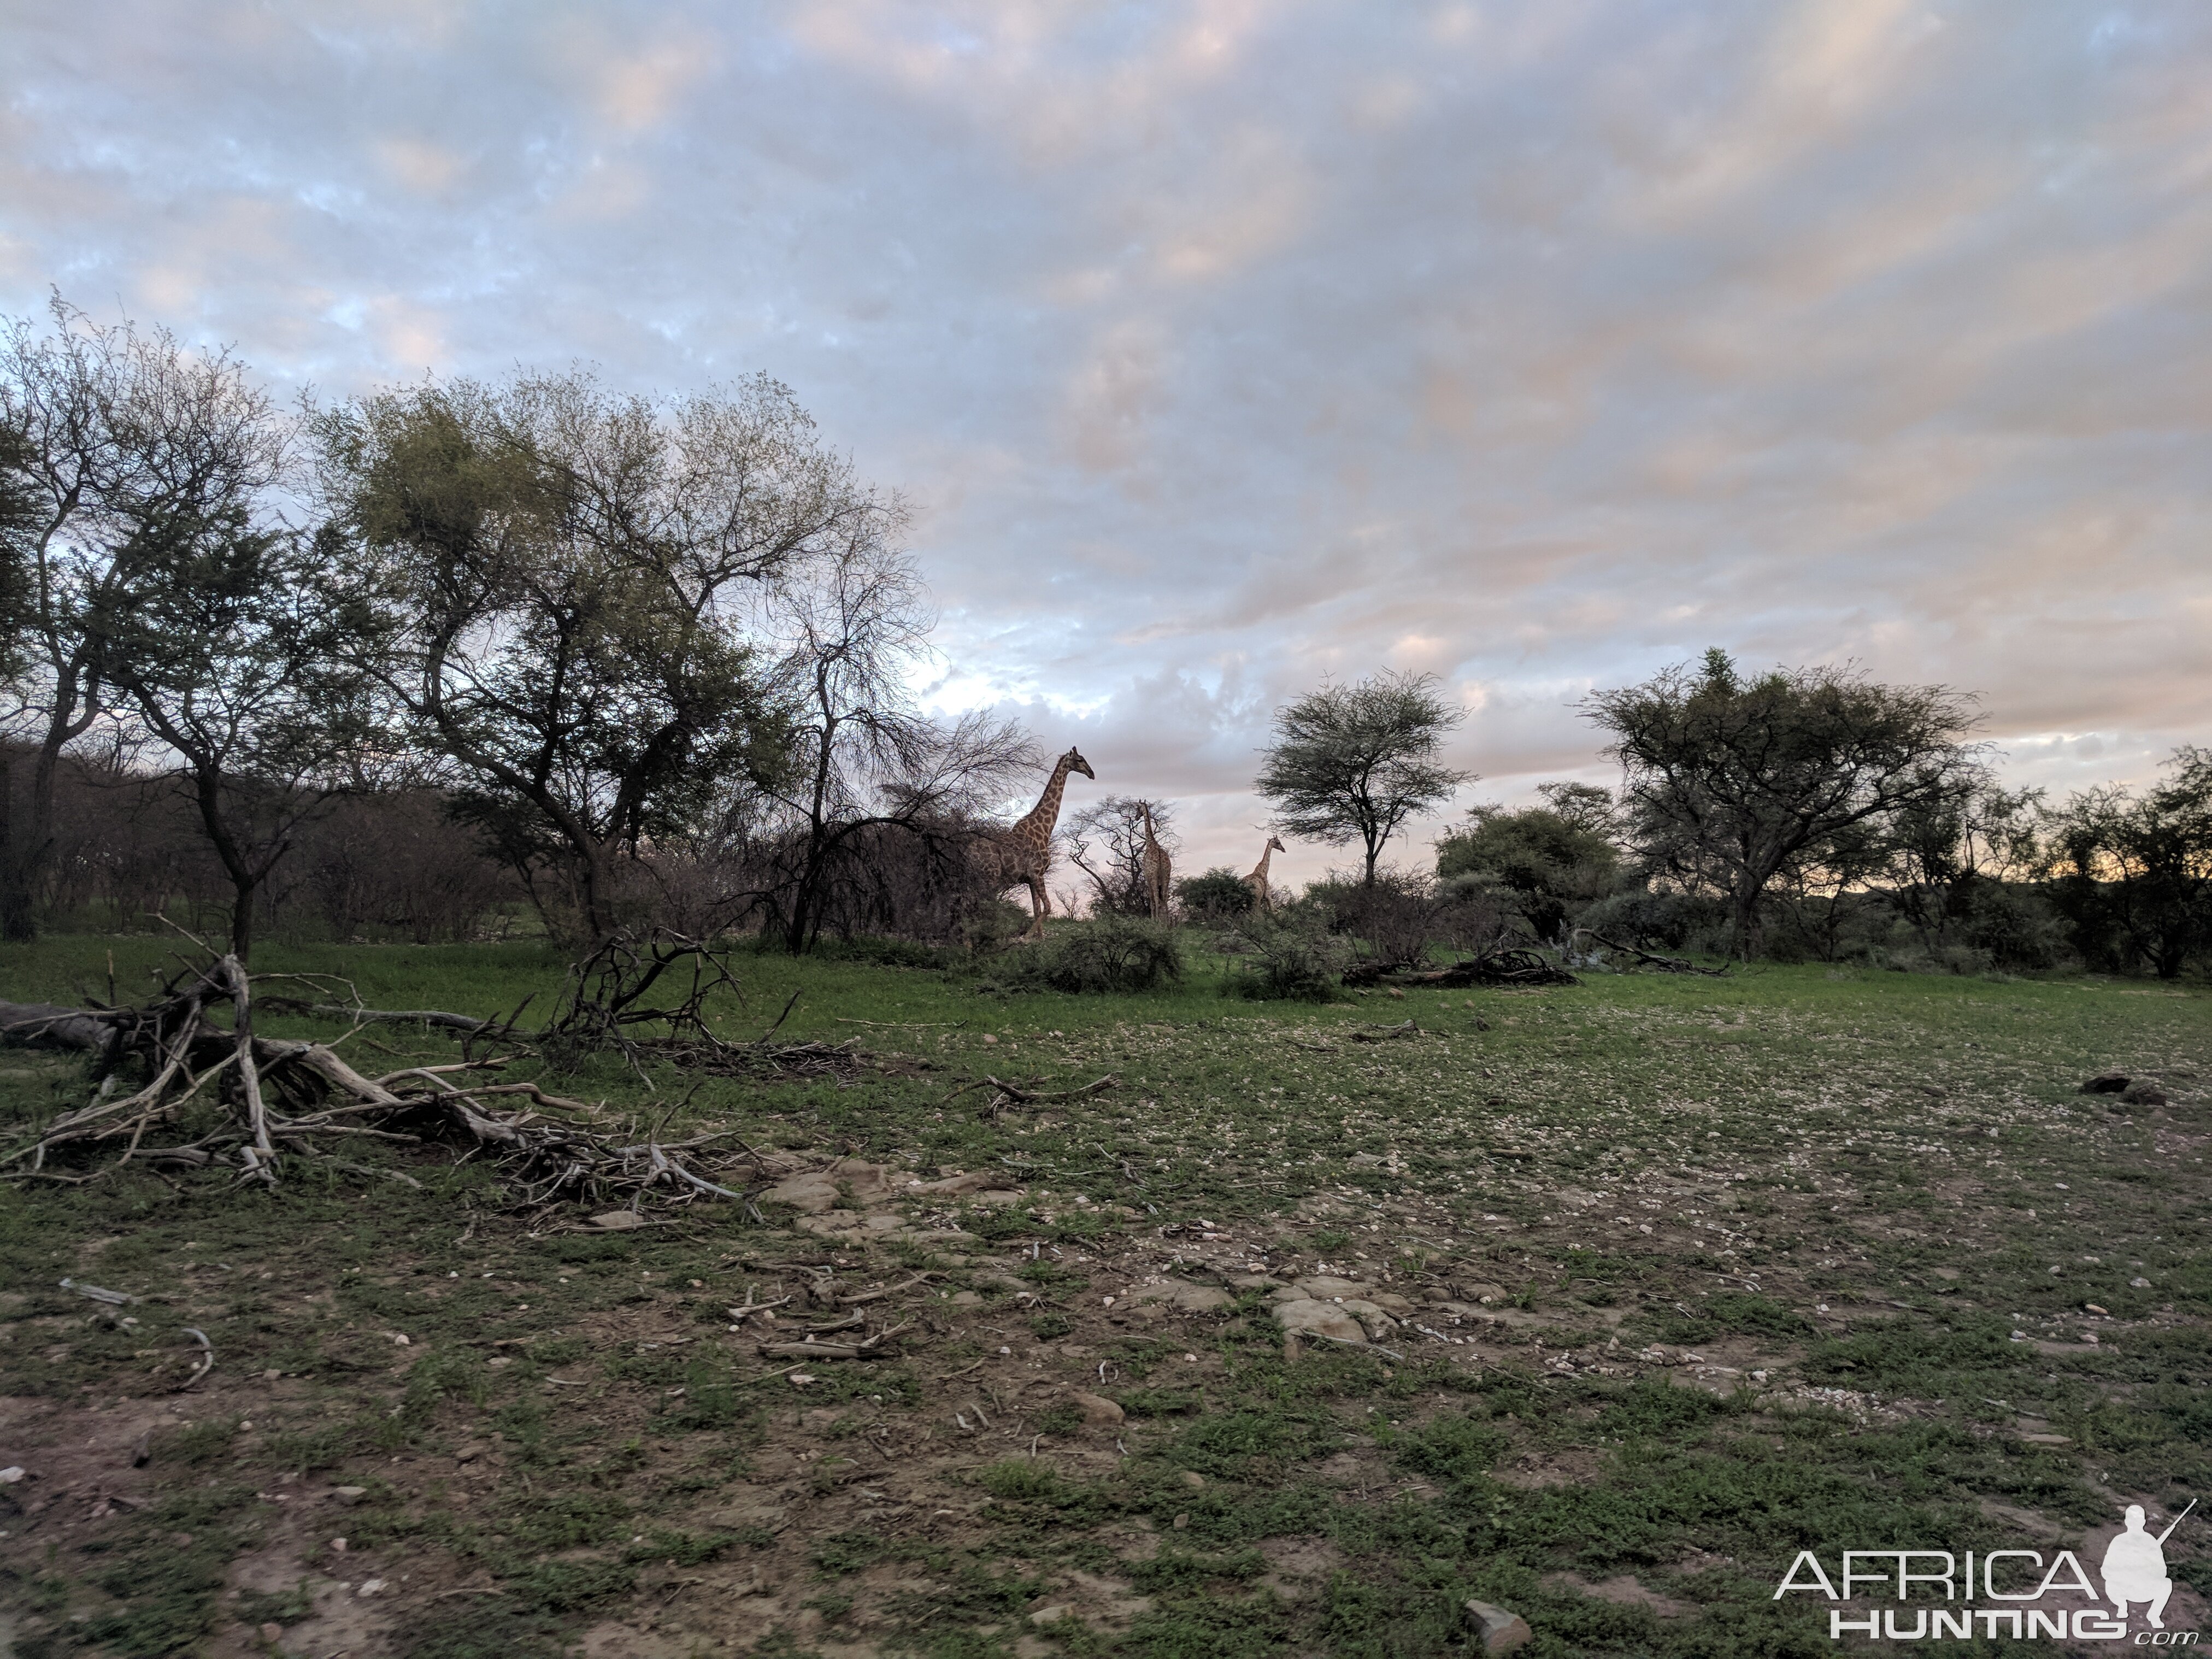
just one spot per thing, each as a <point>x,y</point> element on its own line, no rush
<point>1041,903</point>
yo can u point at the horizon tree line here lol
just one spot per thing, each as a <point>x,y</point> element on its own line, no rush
<point>651,657</point>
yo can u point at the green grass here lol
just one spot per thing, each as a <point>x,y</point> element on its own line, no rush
<point>1860,1184</point>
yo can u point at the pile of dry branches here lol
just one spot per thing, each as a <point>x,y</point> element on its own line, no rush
<point>1649,958</point>
<point>1500,965</point>
<point>256,1101</point>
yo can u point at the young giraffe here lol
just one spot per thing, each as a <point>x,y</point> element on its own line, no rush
<point>1159,873</point>
<point>1257,881</point>
<point>1025,851</point>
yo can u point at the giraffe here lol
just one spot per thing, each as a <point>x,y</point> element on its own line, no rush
<point>1257,881</point>
<point>1160,872</point>
<point>1024,851</point>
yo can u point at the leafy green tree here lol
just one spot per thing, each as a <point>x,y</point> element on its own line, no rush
<point>1353,763</point>
<point>2133,873</point>
<point>552,580</point>
<point>1726,781</point>
<point>113,430</point>
<point>1544,857</point>
<point>227,657</point>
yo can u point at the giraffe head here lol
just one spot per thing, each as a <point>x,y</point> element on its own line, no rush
<point>1276,846</point>
<point>1073,760</point>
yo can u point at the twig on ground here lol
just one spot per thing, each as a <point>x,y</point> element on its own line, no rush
<point>206,1362</point>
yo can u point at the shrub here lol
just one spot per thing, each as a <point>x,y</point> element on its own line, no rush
<point>1219,893</point>
<point>1105,954</point>
<point>1679,923</point>
<point>1395,916</point>
<point>1292,960</point>
<point>1543,862</point>
<point>992,925</point>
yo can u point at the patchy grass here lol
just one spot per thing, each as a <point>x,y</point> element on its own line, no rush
<point>1688,1276</point>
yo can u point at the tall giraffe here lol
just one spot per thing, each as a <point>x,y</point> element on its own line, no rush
<point>1160,872</point>
<point>1024,851</point>
<point>1262,900</point>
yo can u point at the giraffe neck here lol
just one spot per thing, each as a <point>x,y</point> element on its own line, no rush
<point>1265,853</point>
<point>1038,825</point>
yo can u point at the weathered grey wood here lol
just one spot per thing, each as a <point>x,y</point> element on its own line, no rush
<point>42,1024</point>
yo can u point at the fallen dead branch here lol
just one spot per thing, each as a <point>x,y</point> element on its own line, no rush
<point>1010,1094</point>
<point>1665,964</point>
<point>256,1102</point>
<point>1501,966</point>
<point>874,1347</point>
<point>113,1298</point>
<point>205,1362</point>
<point>223,1095</point>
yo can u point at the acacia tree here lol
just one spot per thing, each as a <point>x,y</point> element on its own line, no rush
<point>113,430</point>
<point>1106,841</point>
<point>551,578</point>
<point>1949,852</point>
<point>1353,763</point>
<point>226,652</point>
<point>858,760</point>
<point>2133,872</point>
<point>1726,781</point>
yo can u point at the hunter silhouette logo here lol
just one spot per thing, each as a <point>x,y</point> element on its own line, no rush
<point>2022,1594</point>
<point>2135,1566</point>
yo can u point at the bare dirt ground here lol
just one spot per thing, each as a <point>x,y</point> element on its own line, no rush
<point>1598,1309</point>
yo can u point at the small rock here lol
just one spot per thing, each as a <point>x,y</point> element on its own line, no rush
<point>371,1586</point>
<point>2105,1083</point>
<point>1324,1287</point>
<point>1193,1479</point>
<point>2133,1285</point>
<point>272,1631</point>
<point>1372,1319</point>
<point>2048,1439</point>
<point>271,1376</point>
<point>1182,1523</point>
<point>615,1221</point>
<point>348,1496</point>
<point>1053,1615</point>
<point>1319,1318</point>
<point>952,1186</point>
<point>338,1546</point>
<point>1096,1408</point>
<point>468,1454</point>
<point>967,1299</point>
<point>2091,1307</point>
<point>1496,1630</point>
<point>12,1474</point>
<point>2143,1094</point>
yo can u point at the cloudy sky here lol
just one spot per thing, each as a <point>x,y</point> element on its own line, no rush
<point>1222,346</point>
